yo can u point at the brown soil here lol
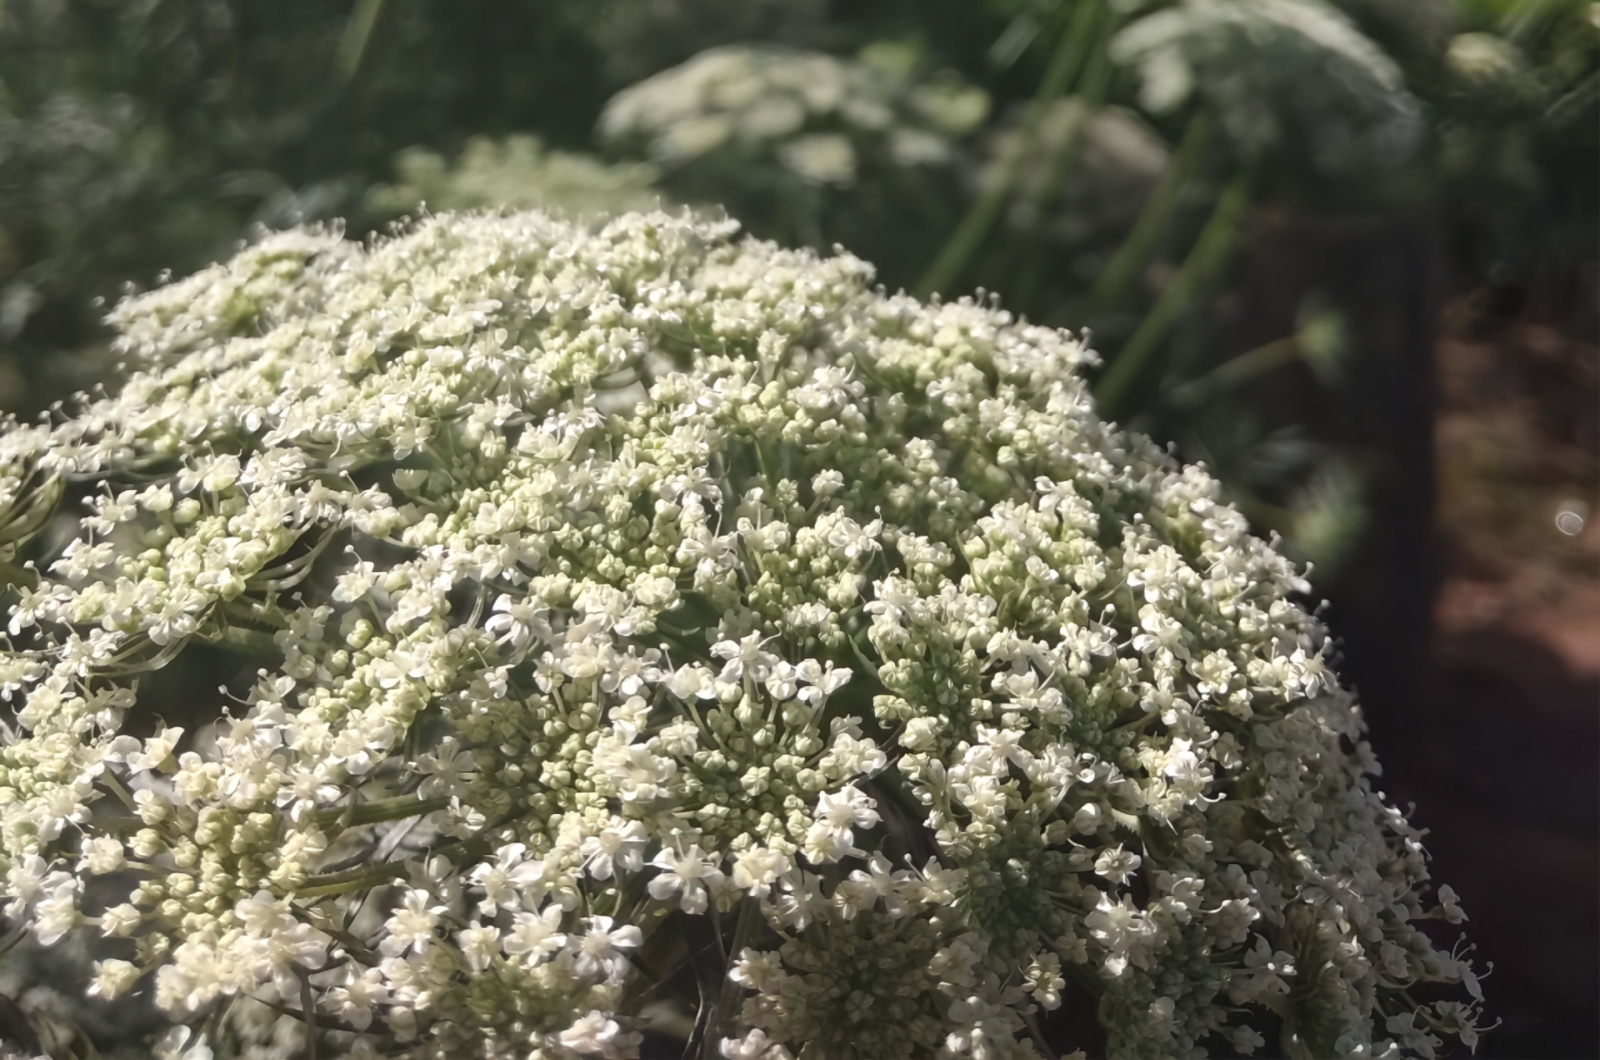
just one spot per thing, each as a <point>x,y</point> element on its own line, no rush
<point>1506,758</point>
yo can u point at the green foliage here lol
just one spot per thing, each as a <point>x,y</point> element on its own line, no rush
<point>1519,140</point>
<point>149,136</point>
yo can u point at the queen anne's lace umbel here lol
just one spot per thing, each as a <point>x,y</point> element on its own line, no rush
<point>615,589</point>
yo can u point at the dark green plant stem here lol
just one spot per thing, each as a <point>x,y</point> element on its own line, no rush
<point>1573,104</point>
<point>1090,94</point>
<point>360,879</point>
<point>11,574</point>
<point>308,1011</point>
<point>394,809</point>
<point>30,510</point>
<point>1210,253</point>
<point>115,786</point>
<point>1036,1032</point>
<point>353,946</point>
<point>703,936</point>
<point>1526,22</point>
<point>357,32</point>
<point>249,642</point>
<point>376,1027</point>
<point>728,998</point>
<point>15,936</point>
<point>1071,51</point>
<point>1153,220</point>
<point>1237,371</point>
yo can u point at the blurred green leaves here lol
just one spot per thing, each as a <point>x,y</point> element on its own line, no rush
<point>1115,164</point>
<point>141,137</point>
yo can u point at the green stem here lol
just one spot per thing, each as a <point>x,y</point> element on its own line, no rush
<point>728,999</point>
<point>1069,57</point>
<point>11,574</point>
<point>331,1023</point>
<point>333,883</point>
<point>292,572</point>
<point>357,32</point>
<point>1528,20</point>
<point>308,1011</point>
<point>1090,94</point>
<point>395,809</point>
<point>1207,257</point>
<point>1237,372</point>
<point>630,898</point>
<point>116,825</point>
<point>251,642</point>
<point>30,510</point>
<point>13,937</point>
<point>110,780</point>
<point>1574,103</point>
<point>1135,724</point>
<point>1134,251</point>
<point>1036,1032</point>
<point>261,613</point>
<point>353,946</point>
<point>867,665</point>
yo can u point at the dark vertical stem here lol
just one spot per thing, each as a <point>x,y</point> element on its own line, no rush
<point>1071,52</point>
<point>1156,215</point>
<point>357,33</point>
<point>1211,251</point>
<point>728,995</point>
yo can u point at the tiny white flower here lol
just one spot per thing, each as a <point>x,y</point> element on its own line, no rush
<point>595,1034</point>
<point>112,978</point>
<point>411,926</point>
<point>600,949</point>
<point>535,935</point>
<point>689,876</point>
<point>479,944</point>
<point>618,847</point>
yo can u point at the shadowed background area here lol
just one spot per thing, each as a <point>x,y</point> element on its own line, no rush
<point>1342,251</point>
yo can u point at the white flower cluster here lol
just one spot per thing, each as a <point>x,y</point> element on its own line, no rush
<point>1296,72</point>
<point>813,113</point>
<point>520,172</point>
<point>628,598</point>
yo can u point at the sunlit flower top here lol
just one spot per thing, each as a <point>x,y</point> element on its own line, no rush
<point>608,587</point>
